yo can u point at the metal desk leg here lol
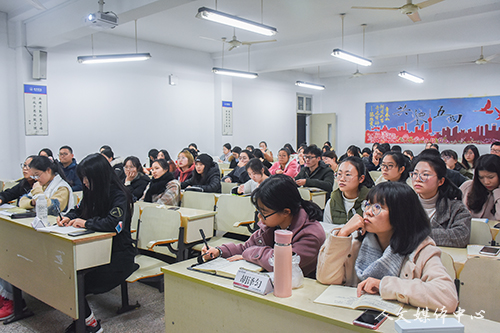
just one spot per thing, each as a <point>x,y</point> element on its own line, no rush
<point>19,313</point>
<point>80,322</point>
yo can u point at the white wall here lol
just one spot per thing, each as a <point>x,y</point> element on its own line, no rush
<point>347,97</point>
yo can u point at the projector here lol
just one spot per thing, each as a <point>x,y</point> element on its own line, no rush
<point>102,20</point>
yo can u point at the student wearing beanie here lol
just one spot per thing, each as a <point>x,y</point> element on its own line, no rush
<point>206,176</point>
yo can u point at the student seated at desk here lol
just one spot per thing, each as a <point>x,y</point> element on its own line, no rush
<point>280,206</point>
<point>185,166</point>
<point>239,173</point>
<point>206,176</point>
<point>285,164</point>
<point>482,194</point>
<point>50,181</point>
<point>315,173</point>
<point>395,167</point>
<point>107,207</point>
<point>393,254</point>
<point>257,153</point>
<point>135,181</point>
<point>442,201</point>
<point>354,182</point>
<point>257,172</point>
<point>23,186</point>
<point>163,189</point>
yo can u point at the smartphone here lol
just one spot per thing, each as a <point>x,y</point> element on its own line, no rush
<point>173,208</point>
<point>81,233</point>
<point>370,319</point>
<point>488,250</point>
<point>23,215</point>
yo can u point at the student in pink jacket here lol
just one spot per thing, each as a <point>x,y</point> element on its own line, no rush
<point>280,206</point>
<point>392,255</point>
<point>285,164</point>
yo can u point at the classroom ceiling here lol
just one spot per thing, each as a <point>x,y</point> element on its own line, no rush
<point>450,32</point>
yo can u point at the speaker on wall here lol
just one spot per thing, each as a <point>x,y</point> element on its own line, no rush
<point>39,64</point>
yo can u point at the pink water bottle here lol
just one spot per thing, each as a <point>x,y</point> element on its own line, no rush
<point>283,263</point>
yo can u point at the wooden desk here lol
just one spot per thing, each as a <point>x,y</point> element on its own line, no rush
<point>49,266</point>
<point>218,305</point>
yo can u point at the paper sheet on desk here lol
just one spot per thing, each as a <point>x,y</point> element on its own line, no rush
<point>60,230</point>
<point>13,210</point>
<point>6,206</point>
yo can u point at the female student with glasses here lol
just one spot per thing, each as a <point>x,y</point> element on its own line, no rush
<point>353,181</point>
<point>395,167</point>
<point>389,252</point>
<point>442,201</point>
<point>280,206</point>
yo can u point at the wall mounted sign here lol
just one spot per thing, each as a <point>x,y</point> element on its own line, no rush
<point>227,118</point>
<point>35,110</point>
<point>451,121</point>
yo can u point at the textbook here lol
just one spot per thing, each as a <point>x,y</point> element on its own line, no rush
<point>226,268</point>
<point>346,297</point>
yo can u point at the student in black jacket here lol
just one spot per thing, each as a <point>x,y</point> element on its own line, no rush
<point>135,181</point>
<point>22,187</point>
<point>206,175</point>
<point>106,206</point>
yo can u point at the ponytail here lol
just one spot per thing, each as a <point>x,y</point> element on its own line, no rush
<point>312,209</point>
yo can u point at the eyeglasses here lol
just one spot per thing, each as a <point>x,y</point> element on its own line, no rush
<point>24,166</point>
<point>422,176</point>
<point>309,157</point>
<point>386,166</point>
<point>469,152</point>
<point>63,154</point>
<point>494,151</point>
<point>129,168</point>
<point>346,176</point>
<point>35,177</point>
<point>264,217</point>
<point>376,208</point>
<point>181,158</point>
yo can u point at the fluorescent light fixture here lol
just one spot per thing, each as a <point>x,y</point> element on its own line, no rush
<point>351,57</point>
<point>310,85</point>
<point>235,21</point>
<point>411,77</point>
<point>113,58</point>
<point>233,72</point>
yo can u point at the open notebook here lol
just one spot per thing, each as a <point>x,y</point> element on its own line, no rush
<point>226,268</point>
<point>346,297</point>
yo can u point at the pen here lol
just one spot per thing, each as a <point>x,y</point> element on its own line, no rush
<point>59,213</point>
<point>204,241</point>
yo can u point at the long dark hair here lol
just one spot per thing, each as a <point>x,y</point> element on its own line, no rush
<point>279,192</point>
<point>207,161</point>
<point>401,162</point>
<point>290,148</point>
<point>101,176</point>
<point>46,151</point>
<point>154,154</point>
<point>448,189</point>
<point>135,162</point>
<point>476,156</point>
<point>43,163</point>
<point>357,162</point>
<point>165,153</point>
<point>479,194</point>
<point>408,218</point>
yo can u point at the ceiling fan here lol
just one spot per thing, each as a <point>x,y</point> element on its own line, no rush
<point>37,4</point>
<point>357,74</point>
<point>482,60</point>
<point>410,9</point>
<point>236,43</point>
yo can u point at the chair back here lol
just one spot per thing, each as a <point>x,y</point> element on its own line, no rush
<point>449,264</point>
<point>479,287</point>
<point>233,209</point>
<point>158,226</point>
<point>198,200</point>
<point>480,233</point>
<point>227,187</point>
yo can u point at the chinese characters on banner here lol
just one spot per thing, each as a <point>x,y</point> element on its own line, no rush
<point>35,110</point>
<point>452,120</point>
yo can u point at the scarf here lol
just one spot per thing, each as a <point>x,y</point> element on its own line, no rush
<point>158,186</point>
<point>373,262</point>
<point>183,175</point>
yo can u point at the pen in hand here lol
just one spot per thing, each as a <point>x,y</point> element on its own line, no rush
<point>206,244</point>
<point>60,216</point>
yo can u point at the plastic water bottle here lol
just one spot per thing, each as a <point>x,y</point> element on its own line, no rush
<point>41,209</point>
<point>283,263</point>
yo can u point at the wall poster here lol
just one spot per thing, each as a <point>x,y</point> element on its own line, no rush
<point>451,121</point>
<point>35,110</point>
